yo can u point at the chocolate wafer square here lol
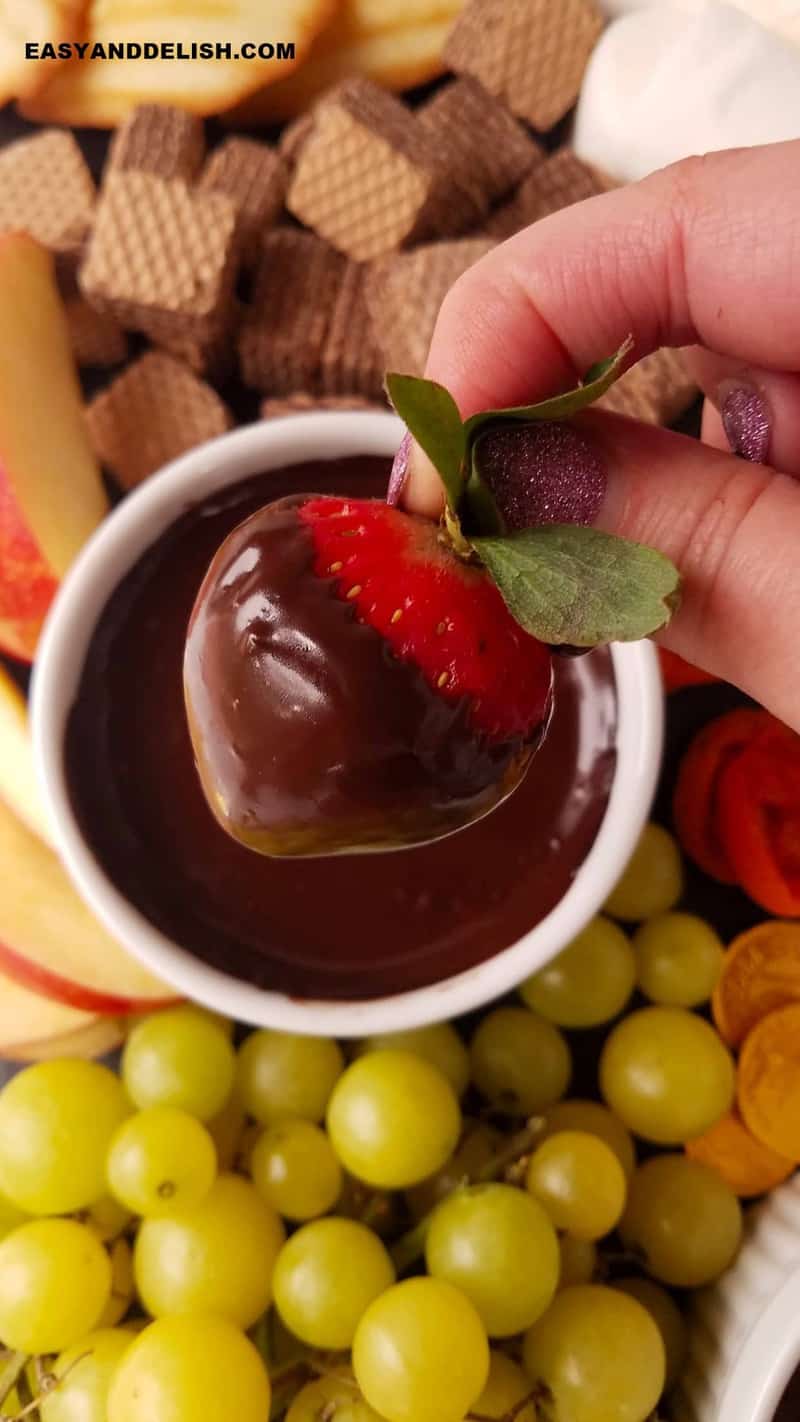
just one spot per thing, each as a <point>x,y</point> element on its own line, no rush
<point>530,53</point>
<point>301,401</point>
<point>485,151</point>
<point>254,177</point>
<point>162,258</point>
<point>97,338</point>
<point>367,178</point>
<point>46,189</point>
<point>159,139</point>
<point>404,293</point>
<point>215,355</point>
<point>656,390</point>
<point>293,138</point>
<point>284,331</point>
<point>351,361</point>
<point>557,182</point>
<point>155,410</point>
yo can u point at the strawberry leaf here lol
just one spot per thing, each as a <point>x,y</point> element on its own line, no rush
<point>559,407</point>
<point>431,414</point>
<point>481,513</point>
<point>569,583</point>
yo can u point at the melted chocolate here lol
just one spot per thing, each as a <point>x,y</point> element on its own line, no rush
<point>310,737</point>
<point>788,1409</point>
<point>348,926</point>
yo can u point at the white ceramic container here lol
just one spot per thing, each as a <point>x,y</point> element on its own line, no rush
<point>124,536</point>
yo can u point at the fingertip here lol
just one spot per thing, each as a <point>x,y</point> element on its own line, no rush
<point>414,484</point>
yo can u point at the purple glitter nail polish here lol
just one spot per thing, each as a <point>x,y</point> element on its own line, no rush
<point>746,422</point>
<point>542,473</point>
<point>397,478</point>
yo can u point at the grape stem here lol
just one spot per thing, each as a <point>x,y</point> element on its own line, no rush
<point>411,1245</point>
<point>531,1399</point>
<point>12,1367</point>
<point>46,1382</point>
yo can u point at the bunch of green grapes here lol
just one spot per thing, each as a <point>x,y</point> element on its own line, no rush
<point>287,1230</point>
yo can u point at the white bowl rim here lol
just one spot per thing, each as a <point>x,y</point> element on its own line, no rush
<point>109,554</point>
<point>768,1359</point>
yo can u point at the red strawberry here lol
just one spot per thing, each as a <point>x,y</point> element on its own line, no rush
<point>436,612</point>
<point>357,678</point>
<point>352,683</point>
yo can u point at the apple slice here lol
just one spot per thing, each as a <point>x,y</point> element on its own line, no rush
<point>100,1036</point>
<point>51,492</point>
<point>19,786</point>
<point>102,92</point>
<point>52,944</point>
<point>27,1017</point>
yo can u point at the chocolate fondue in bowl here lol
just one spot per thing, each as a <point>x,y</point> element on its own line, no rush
<point>355,942</point>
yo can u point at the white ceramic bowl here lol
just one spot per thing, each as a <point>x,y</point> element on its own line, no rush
<point>123,537</point>
<point>744,1342</point>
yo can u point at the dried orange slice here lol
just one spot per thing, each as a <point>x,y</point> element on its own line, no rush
<point>769,1081</point>
<point>746,1164</point>
<point>761,972</point>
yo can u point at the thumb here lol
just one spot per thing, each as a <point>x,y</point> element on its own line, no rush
<point>731,527</point>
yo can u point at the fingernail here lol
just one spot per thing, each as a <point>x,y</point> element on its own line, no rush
<point>542,473</point>
<point>397,478</point>
<point>746,421</point>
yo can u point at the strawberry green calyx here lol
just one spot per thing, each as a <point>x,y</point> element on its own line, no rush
<point>563,583</point>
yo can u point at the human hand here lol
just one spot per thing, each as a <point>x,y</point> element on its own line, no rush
<point>705,253</point>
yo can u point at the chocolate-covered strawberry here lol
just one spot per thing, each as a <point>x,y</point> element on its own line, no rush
<point>358,678</point>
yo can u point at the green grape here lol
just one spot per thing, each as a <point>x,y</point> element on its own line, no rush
<point>325,1277</point>
<point>684,1218</point>
<point>438,1044</point>
<point>335,1396</point>
<point>589,982</point>
<point>215,1257</point>
<point>679,959</point>
<point>580,1115</point>
<point>506,1388</point>
<point>55,1281</point>
<point>496,1244</point>
<point>294,1167</point>
<point>226,1130</point>
<point>578,1261</point>
<point>85,1371</point>
<point>666,1074</point>
<point>182,1058</point>
<point>56,1120</point>
<point>668,1320</point>
<point>281,1075</point>
<point>420,1353</point>
<point>10,1216</point>
<point>107,1218</point>
<point>579,1182</point>
<point>225,1024</point>
<point>159,1160</point>
<point>520,1063</point>
<point>393,1119</point>
<point>122,1285</point>
<point>190,1370</point>
<point>478,1145</point>
<point>653,880</point>
<point>599,1353</point>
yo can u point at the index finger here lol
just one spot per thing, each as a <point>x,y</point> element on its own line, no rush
<point>705,252</point>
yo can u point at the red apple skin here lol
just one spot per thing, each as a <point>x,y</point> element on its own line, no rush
<point>49,984</point>
<point>27,584</point>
